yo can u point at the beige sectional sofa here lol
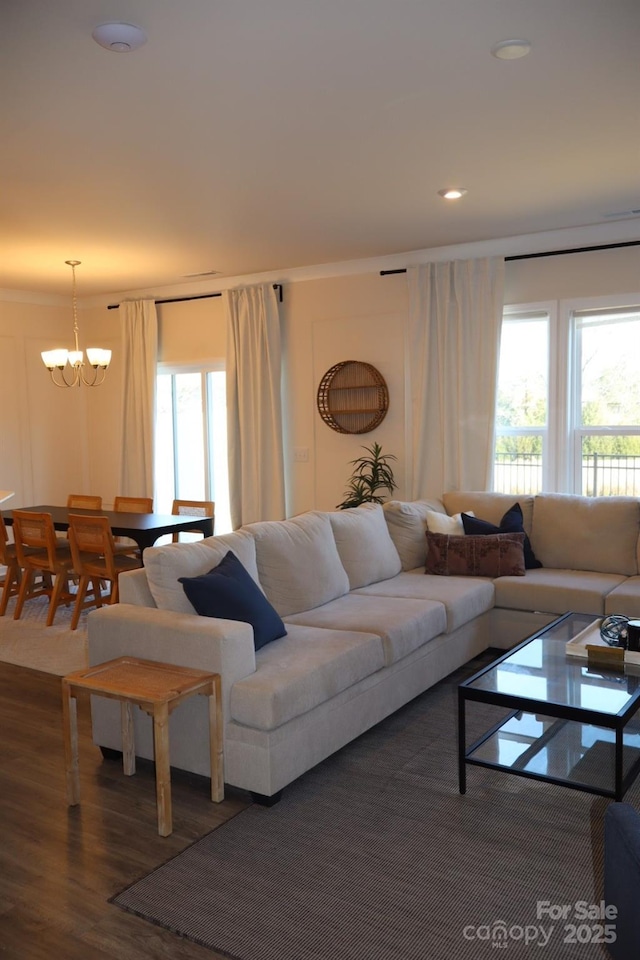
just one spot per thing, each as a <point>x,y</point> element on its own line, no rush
<point>366,629</point>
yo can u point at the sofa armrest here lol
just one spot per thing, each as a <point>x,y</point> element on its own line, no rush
<point>133,587</point>
<point>204,643</point>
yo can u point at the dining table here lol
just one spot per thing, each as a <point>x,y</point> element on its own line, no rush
<point>143,528</point>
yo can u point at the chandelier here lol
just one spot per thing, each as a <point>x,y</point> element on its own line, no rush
<point>57,361</point>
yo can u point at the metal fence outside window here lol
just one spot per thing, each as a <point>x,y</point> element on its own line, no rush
<point>602,476</point>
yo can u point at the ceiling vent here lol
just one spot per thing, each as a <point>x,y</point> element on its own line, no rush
<point>205,273</point>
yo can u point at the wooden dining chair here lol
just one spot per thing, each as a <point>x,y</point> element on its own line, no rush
<point>133,505</point>
<point>40,552</point>
<point>84,501</point>
<point>12,574</point>
<point>96,561</point>
<point>193,508</point>
<point>130,505</point>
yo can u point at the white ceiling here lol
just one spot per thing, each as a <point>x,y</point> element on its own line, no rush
<point>252,135</point>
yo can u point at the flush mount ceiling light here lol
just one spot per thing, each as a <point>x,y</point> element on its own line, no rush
<point>119,37</point>
<point>452,193</point>
<point>511,49</point>
<point>61,361</point>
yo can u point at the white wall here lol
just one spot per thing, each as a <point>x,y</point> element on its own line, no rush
<point>574,275</point>
<point>325,321</point>
<point>55,441</point>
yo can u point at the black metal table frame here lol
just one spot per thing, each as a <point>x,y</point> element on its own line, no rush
<point>561,712</point>
<point>144,528</point>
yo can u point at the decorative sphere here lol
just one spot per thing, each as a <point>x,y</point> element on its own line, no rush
<point>613,630</point>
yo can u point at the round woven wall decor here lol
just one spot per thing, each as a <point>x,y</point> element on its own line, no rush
<point>353,397</point>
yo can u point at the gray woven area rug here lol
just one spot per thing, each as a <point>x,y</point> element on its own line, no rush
<point>27,642</point>
<point>374,855</point>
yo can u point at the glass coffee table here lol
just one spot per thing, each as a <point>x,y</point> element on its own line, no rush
<point>557,718</point>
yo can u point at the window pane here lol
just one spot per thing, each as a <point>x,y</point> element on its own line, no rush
<point>189,437</point>
<point>523,373</point>
<point>218,469</point>
<point>610,466</point>
<point>164,464</point>
<point>522,404</point>
<point>191,442</point>
<point>518,463</point>
<point>608,351</point>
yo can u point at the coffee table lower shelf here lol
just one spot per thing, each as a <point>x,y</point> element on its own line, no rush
<point>568,753</point>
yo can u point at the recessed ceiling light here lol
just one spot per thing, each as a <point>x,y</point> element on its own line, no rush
<point>119,37</point>
<point>511,49</point>
<point>452,193</point>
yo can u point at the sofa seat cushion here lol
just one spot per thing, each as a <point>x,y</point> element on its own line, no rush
<point>624,599</point>
<point>298,562</point>
<point>403,624</point>
<point>463,598</point>
<point>163,565</point>
<point>366,549</point>
<point>556,591</point>
<point>300,671</point>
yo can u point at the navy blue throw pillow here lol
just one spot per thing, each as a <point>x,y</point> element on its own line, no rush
<point>230,592</point>
<point>510,523</point>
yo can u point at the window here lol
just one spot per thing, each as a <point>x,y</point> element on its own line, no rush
<point>191,439</point>
<point>568,400</point>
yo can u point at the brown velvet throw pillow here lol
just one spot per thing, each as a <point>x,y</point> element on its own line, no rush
<point>493,555</point>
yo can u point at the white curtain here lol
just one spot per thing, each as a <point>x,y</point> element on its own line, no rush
<point>254,406</point>
<point>455,315</point>
<point>139,327</point>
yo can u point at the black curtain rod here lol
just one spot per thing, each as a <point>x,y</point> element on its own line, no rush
<point>546,253</point>
<point>199,296</point>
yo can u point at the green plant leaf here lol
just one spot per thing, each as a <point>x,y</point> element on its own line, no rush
<point>371,475</point>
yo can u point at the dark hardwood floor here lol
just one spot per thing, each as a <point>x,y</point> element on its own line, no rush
<point>59,865</point>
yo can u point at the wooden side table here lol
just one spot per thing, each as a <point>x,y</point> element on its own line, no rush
<point>157,688</point>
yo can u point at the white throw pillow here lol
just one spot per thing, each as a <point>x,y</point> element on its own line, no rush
<point>452,526</point>
<point>366,549</point>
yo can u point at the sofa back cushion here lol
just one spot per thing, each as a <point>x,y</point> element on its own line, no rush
<point>298,562</point>
<point>587,533</point>
<point>163,565</point>
<point>489,506</point>
<point>366,549</point>
<point>407,523</point>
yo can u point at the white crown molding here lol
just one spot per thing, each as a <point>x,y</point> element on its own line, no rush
<point>617,231</point>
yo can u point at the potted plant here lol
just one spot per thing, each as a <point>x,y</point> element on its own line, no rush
<point>371,475</point>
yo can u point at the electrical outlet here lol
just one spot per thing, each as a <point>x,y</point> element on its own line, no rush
<point>301,454</point>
